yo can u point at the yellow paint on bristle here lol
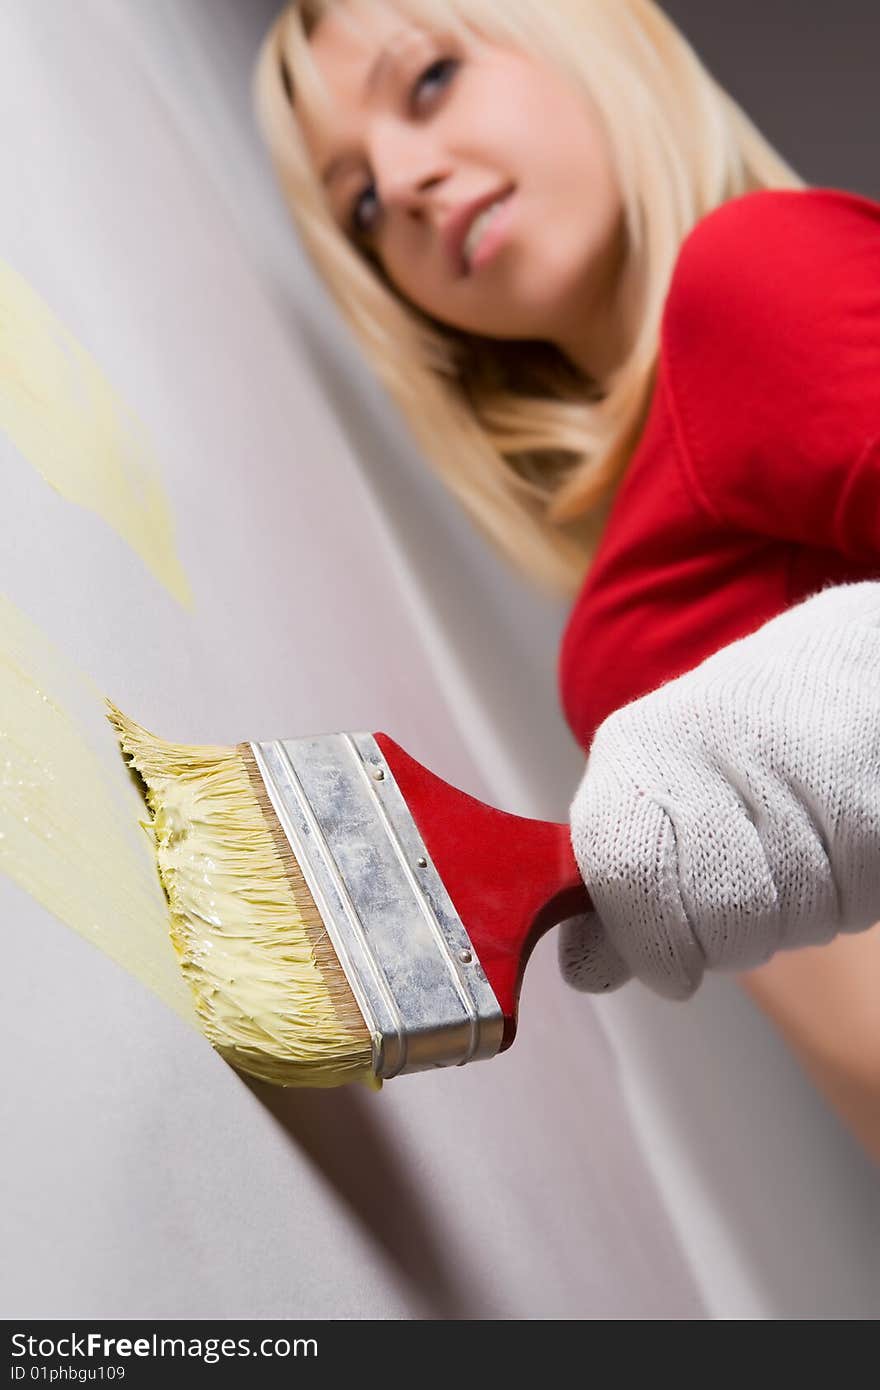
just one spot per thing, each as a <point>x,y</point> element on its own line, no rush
<point>59,409</point>
<point>270,993</point>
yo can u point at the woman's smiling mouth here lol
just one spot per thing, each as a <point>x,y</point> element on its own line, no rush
<point>475,229</point>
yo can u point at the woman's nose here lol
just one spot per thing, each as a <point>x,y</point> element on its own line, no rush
<point>410,191</point>
<point>408,169</point>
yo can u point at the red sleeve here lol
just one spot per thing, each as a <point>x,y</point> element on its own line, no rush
<point>772,337</point>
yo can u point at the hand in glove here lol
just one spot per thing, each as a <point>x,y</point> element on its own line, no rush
<point>735,811</point>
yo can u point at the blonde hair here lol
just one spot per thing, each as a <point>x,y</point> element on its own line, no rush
<point>533,449</point>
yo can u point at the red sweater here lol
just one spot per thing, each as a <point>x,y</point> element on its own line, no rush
<point>757,478</point>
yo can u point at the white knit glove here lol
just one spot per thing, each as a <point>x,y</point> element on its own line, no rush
<point>735,811</point>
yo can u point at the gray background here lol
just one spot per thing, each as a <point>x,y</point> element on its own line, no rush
<point>806,71</point>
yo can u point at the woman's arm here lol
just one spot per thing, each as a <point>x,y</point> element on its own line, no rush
<point>732,816</point>
<point>773,334</point>
<point>825,1001</point>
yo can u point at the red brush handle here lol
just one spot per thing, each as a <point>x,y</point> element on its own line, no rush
<point>510,878</point>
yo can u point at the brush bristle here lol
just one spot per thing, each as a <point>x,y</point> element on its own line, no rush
<point>270,992</point>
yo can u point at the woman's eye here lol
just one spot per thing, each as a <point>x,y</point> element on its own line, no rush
<point>432,79</point>
<point>365,211</point>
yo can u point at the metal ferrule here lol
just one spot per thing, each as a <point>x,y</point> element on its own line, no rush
<point>404,949</point>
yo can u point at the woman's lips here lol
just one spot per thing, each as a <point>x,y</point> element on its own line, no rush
<point>491,237</point>
<point>458,224</point>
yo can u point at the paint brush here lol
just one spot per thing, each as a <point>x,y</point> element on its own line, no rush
<point>342,913</point>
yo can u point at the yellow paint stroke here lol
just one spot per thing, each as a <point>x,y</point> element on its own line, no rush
<point>69,813</point>
<point>60,411</point>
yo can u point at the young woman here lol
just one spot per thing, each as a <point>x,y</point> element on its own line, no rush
<point>646,359</point>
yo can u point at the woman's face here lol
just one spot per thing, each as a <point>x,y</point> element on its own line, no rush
<point>476,174</point>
